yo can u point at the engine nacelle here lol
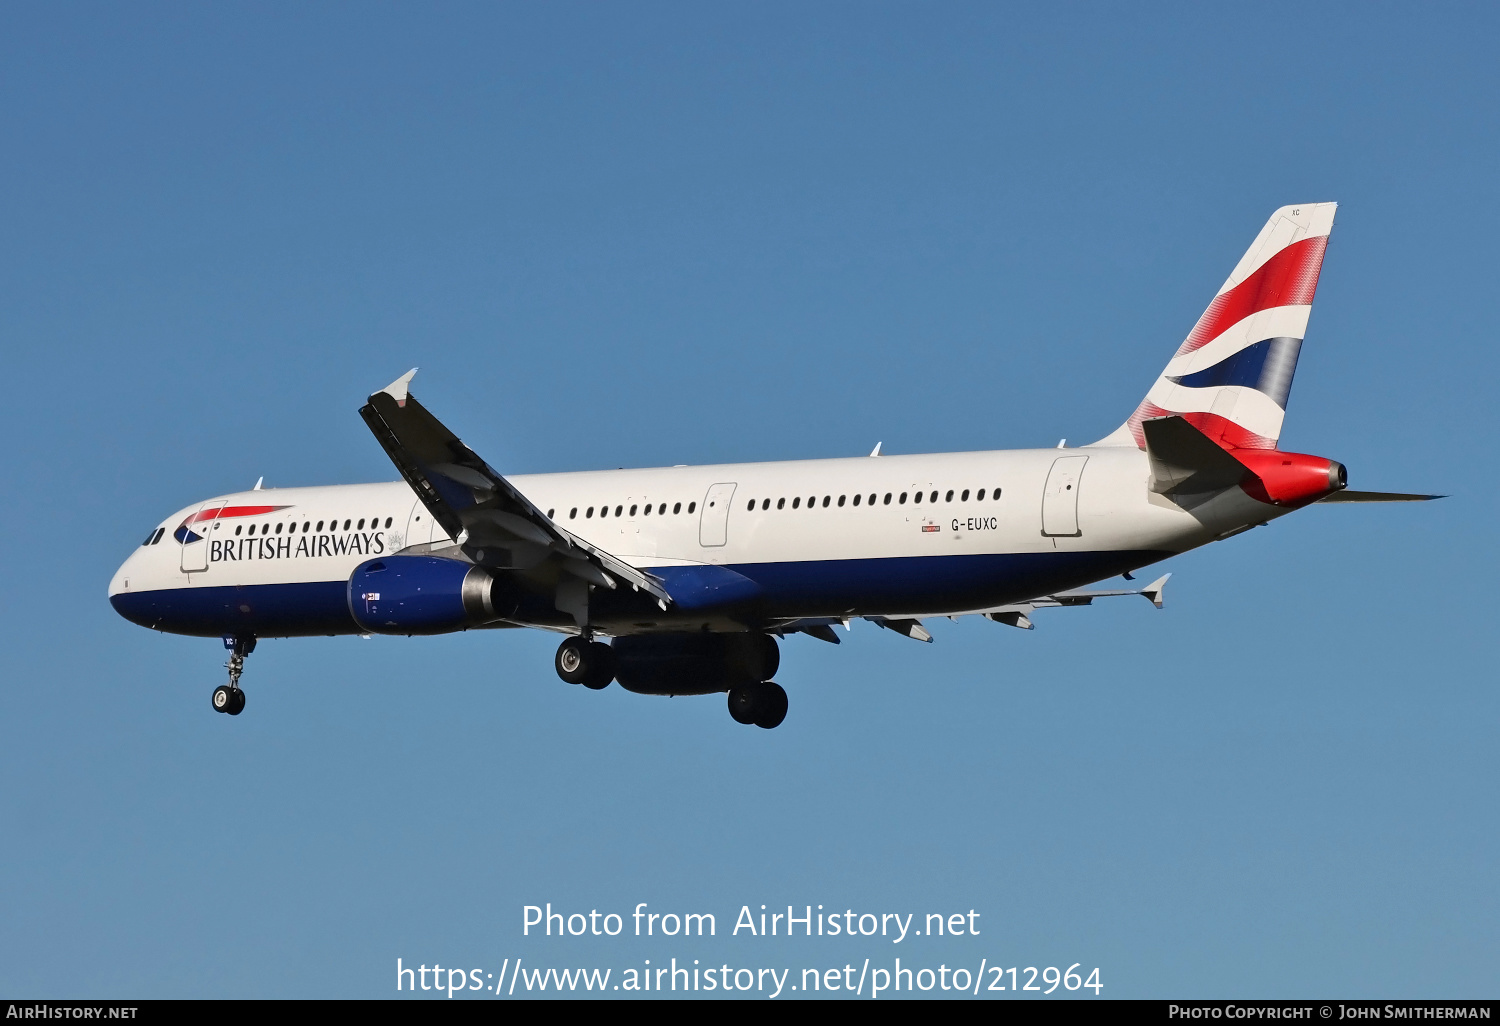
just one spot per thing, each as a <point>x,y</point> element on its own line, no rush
<point>420,595</point>
<point>693,664</point>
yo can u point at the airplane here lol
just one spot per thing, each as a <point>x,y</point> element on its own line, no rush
<point>694,572</point>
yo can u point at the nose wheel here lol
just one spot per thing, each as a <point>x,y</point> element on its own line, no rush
<point>228,698</point>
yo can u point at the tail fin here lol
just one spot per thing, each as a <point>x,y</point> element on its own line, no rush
<point>1231,376</point>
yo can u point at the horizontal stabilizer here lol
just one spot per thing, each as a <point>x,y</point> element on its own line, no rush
<point>1186,461</point>
<point>1348,496</point>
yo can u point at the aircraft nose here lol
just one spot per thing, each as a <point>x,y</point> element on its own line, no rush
<point>127,594</point>
<point>120,582</point>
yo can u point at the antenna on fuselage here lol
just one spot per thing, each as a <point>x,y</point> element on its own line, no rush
<point>258,482</point>
<point>876,451</point>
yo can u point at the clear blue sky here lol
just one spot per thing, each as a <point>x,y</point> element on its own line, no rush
<point>626,235</point>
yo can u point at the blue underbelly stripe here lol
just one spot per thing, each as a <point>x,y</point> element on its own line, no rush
<point>905,584</point>
<point>263,610</point>
<point>911,584</point>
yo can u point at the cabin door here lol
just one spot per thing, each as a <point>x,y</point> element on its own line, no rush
<point>713,527</point>
<point>1060,497</point>
<point>194,535</point>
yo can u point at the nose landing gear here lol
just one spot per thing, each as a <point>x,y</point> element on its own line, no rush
<point>228,698</point>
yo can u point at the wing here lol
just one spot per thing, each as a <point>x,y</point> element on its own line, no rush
<point>494,524</point>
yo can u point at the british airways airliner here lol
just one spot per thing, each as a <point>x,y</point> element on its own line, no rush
<point>693,573</point>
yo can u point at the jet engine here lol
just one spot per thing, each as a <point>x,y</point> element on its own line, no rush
<point>420,595</point>
<point>693,664</point>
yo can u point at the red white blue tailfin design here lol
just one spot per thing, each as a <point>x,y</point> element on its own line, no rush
<point>1231,376</point>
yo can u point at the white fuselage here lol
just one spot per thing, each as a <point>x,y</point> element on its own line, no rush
<point>891,535</point>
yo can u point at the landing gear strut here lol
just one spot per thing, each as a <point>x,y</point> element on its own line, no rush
<point>590,663</point>
<point>228,698</point>
<point>761,704</point>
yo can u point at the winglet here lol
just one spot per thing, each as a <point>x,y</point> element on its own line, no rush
<point>1153,590</point>
<point>875,451</point>
<point>397,389</point>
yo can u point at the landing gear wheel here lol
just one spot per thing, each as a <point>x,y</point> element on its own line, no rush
<point>603,659</point>
<point>590,663</point>
<point>763,705</point>
<point>237,703</point>
<point>223,698</point>
<point>743,704</point>
<point>773,705</point>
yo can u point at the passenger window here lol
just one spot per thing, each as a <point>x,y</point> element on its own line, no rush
<point>826,500</point>
<point>603,512</point>
<point>916,497</point>
<point>887,498</point>
<point>901,501</point>
<point>661,510</point>
<point>950,496</point>
<point>856,500</point>
<point>765,503</point>
<point>361,526</point>
<point>238,528</point>
<point>573,513</point>
<point>589,515</point>
<point>965,496</point>
<point>306,526</point>
<point>812,501</point>
<point>781,504</point>
<point>346,526</point>
<point>618,510</point>
<point>647,509</point>
<point>676,507</point>
<point>797,502</point>
<point>751,506</point>
<point>319,528</point>
<point>841,500</point>
<point>632,509</point>
<point>979,495</point>
<point>387,521</point>
<point>280,526</point>
<point>995,494</point>
<point>872,498</point>
<point>692,506</point>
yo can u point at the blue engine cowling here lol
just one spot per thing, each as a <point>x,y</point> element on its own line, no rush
<point>420,595</point>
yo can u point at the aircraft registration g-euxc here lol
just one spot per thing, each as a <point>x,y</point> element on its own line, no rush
<point>694,572</point>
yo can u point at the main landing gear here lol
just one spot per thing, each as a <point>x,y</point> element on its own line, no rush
<point>583,661</point>
<point>761,704</point>
<point>228,698</point>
